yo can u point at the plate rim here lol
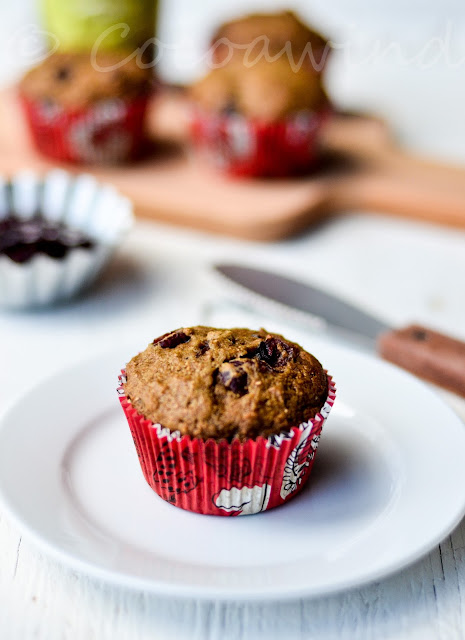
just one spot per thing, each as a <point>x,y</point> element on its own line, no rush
<point>153,586</point>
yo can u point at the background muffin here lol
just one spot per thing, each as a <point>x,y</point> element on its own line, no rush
<point>84,110</point>
<point>259,110</point>
<point>225,421</point>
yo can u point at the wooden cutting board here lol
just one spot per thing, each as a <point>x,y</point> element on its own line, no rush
<point>362,169</point>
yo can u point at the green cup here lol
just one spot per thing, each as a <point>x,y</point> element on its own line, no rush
<point>108,25</point>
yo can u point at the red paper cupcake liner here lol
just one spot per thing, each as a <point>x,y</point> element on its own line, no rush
<point>108,132</point>
<point>245,147</point>
<point>225,478</point>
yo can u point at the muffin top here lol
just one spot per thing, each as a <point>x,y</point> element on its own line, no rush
<point>266,91</point>
<point>249,36</point>
<point>225,383</point>
<point>71,80</point>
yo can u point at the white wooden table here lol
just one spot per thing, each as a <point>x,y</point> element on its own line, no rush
<point>398,270</point>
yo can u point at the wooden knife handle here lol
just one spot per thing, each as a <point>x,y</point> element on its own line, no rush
<point>430,355</point>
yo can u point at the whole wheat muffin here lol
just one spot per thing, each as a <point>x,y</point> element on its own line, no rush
<point>85,110</point>
<point>225,383</point>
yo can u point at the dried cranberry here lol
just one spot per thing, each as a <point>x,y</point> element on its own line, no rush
<point>275,352</point>
<point>62,74</point>
<point>233,376</point>
<point>230,108</point>
<point>267,353</point>
<point>173,340</point>
<point>203,348</point>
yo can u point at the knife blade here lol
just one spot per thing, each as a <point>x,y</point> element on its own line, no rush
<point>424,352</point>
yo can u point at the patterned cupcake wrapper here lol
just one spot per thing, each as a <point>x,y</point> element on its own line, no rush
<point>109,132</point>
<point>225,478</point>
<point>244,147</point>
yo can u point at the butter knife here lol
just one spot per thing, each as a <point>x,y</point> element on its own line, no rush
<point>426,353</point>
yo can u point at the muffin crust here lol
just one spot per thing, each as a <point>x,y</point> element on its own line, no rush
<point>71,81</point>
<point>249,36</point>
<point>266,91</point>
<point>225,383</point>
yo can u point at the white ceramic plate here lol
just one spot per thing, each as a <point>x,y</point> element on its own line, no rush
<point>384,491</point>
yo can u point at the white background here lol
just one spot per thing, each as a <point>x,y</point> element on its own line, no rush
<point>400,270</point>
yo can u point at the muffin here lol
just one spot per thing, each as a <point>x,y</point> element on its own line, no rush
<point>251,37</point>
<point>263,120</point>
<point>86,110</point>
<point>225,421</point>
<point>260,109</point>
